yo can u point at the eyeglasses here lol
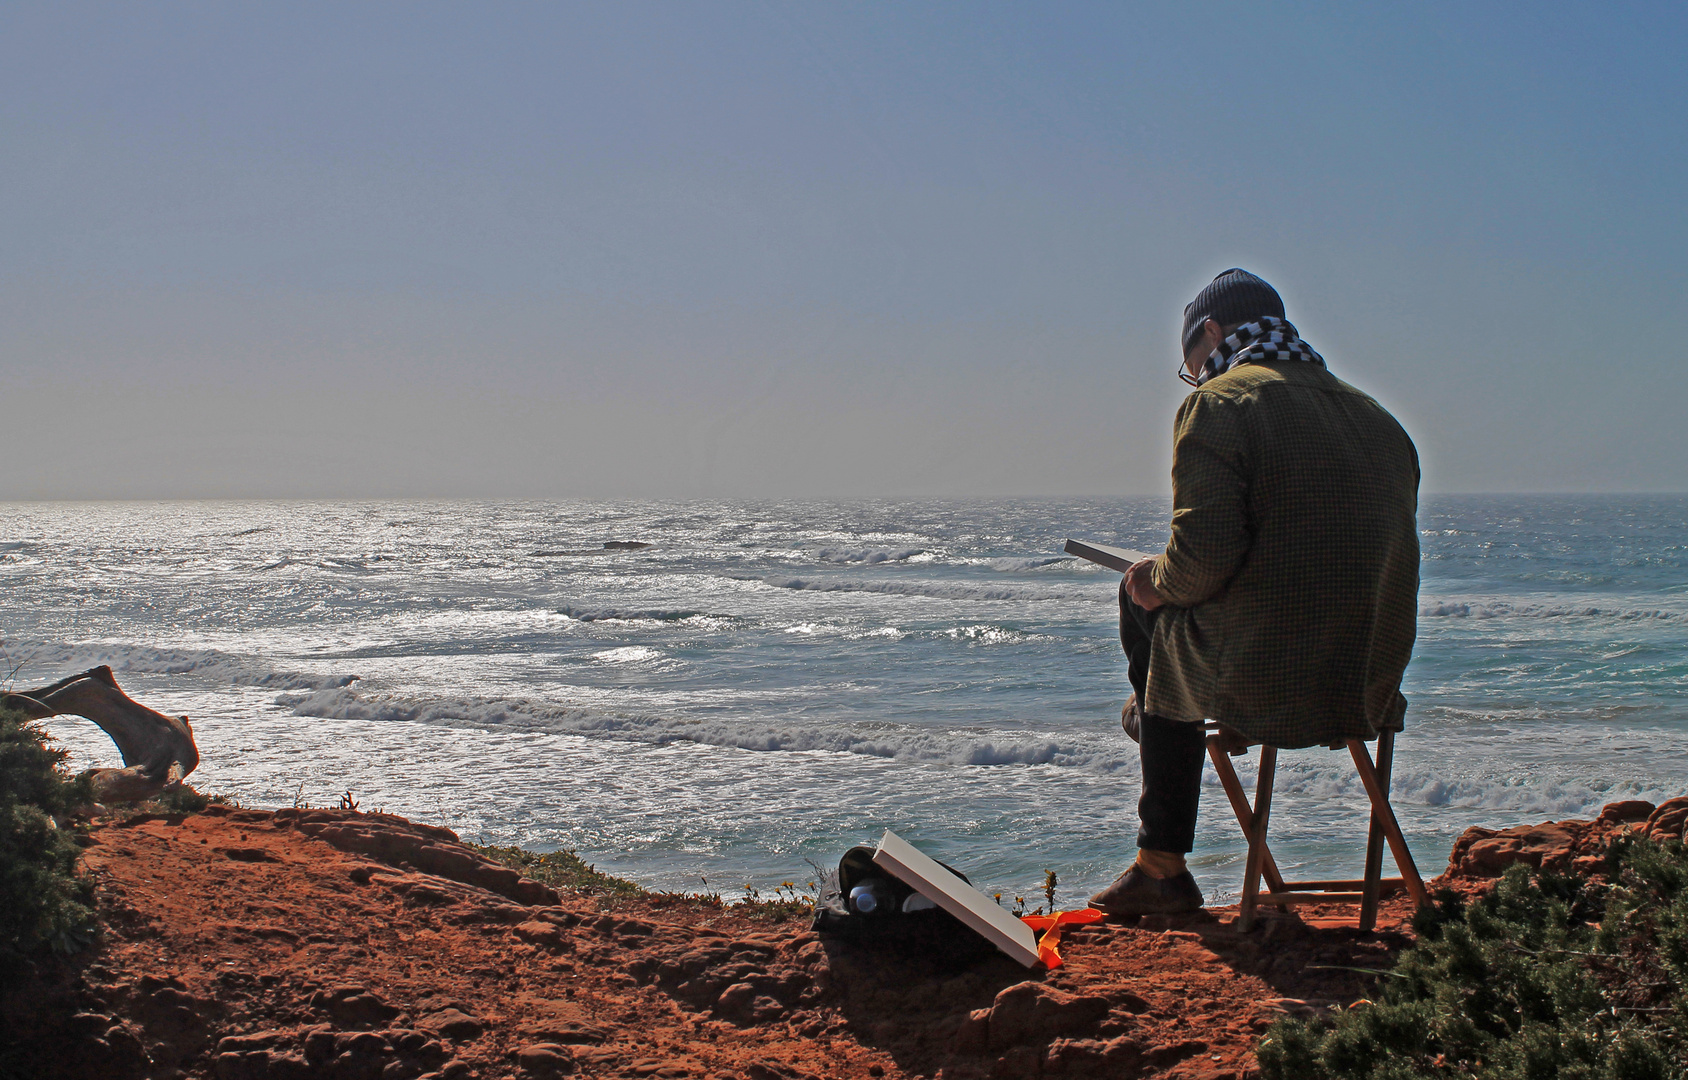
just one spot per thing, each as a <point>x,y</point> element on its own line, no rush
<point>1184,373</point>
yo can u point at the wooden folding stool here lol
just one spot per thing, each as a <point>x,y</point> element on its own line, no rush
<point>1283,894</point>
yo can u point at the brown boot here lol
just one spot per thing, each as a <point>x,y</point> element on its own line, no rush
<point>1136,893</point>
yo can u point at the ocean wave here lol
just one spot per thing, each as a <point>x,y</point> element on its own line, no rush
<point>1019,565</point>
<point>1500,609</point>
<point>868,555</point>
<point>527,715</point>
<point>46,661</point>
<point>936,589</point>
<point>1556,798</point>
<point>631,614</point>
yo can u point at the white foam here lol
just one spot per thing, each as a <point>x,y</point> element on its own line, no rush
<point>939,590</point>
<point>1332,777</point>
<point>46,661</point>
<point>1501,609</point>
<point>992,635</point>
<point>868,555</point>
<point>628,654</point>
<point>956,747</point>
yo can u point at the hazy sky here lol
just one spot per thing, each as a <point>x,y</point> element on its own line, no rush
<point>660,249</point>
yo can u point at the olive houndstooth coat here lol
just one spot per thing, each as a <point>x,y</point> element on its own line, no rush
<point>1291,579</point>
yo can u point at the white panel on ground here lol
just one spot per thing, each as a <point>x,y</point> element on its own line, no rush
<point>1103,554</point>
<point>978,911</point>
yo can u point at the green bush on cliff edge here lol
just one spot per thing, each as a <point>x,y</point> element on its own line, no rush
<point>1547,976</point>
<point>43,903</point>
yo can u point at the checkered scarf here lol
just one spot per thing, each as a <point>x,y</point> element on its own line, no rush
<point>1260,341</point>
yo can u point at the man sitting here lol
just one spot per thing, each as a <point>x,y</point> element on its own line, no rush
<point>1285,604</point>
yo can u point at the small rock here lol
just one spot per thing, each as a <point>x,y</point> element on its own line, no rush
<point>736,1001</point>
<point>91,1021</point>
<point>319,1046</point>
<point>1029,1011</point>
<point>565,1032</point>
<point>454,1024</point>
<point>1122,1053</point>
<point>126,1045</point>
<point>353,1006</point>
<point>539,932</point>
<point>1020,1063</point>
<point>544,1060</point>
<point>1076,1055</point>
<point>1161,1056</point>
<point>973,1036</point>
<point>368,1043</point>
<point>239,1044</point>
<point>250,1065</point>
<point>290,1067</point>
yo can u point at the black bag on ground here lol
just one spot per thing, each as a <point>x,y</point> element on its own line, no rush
<point>878,917</point>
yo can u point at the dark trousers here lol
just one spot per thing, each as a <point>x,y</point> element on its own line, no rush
<point>1172,751</point>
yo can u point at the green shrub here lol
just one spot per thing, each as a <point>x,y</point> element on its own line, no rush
<point>43,903</point>
<point>1546,976</point>
<point>183,799</point>
<point>560,870</point>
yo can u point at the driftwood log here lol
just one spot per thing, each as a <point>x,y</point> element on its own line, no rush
<point>158,750</point>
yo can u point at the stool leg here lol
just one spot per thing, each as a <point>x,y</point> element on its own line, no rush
<point>1391,828</point>
<point>1240,807</point>
<point>1257,837</point>
<point>1374,839</point>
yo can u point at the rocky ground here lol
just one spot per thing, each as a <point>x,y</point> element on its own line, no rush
<point>321,943</point>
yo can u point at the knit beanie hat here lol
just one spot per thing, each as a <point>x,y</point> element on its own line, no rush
<point>1233,297</point>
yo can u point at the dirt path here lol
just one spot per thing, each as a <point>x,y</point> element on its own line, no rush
<point>249,944</point>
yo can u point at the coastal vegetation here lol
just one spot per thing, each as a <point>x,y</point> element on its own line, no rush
<point>562,869</point>
<point>565,869</point>
<point>44,904</point>
<point>1547,975</point>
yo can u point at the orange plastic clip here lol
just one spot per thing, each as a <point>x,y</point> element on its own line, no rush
<point>1049,944</point>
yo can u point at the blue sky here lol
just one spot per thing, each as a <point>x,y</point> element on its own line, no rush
<point>819,249</point>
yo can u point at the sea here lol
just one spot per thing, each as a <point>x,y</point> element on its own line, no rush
<point>720,696</point>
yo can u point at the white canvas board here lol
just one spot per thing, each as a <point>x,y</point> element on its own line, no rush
<point>1114,558</point>
<point>921,872</point>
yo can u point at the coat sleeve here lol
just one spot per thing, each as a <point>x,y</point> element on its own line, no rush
<point>1210,525</point>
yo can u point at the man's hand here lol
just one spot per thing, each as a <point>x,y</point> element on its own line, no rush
<point>1140,585</point>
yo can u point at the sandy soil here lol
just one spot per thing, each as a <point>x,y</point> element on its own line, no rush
<point>251,944</point>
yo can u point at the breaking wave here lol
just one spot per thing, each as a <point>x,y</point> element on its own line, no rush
<point>630,614</point>
<point>868,555</point>
<point>46,661</point>
<point>935,589</point>
<point>1555,798</point>
<point>1017,565</point>
<point>1500,609</point>
<point>527,715</point>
